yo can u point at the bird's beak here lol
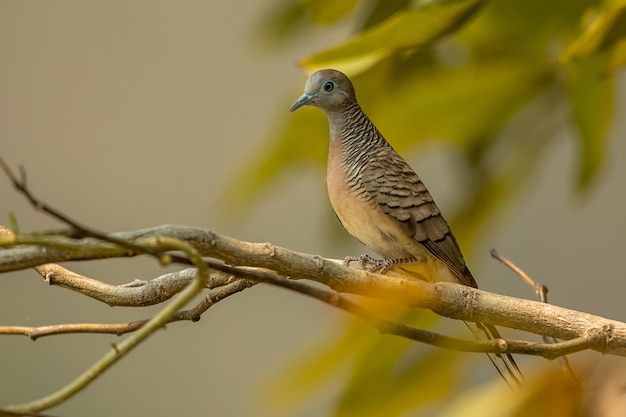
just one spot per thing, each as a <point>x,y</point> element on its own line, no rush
<point>303,100</point>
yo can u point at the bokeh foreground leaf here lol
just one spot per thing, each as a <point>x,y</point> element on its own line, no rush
<point>606,32</point>
<point>483,80</point>
<point>407,29</point>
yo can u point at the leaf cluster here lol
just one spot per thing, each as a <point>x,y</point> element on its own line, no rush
<point>498,82</point>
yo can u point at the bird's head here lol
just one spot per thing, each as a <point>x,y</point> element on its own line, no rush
<point>328,89</point>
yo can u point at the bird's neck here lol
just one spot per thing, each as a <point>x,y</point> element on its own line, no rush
<point>353,138</point>
<point>352,127</point>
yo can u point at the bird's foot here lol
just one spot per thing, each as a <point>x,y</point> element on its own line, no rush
<point>363,259</point>
<point>383,265</point>
<point>379,266</point>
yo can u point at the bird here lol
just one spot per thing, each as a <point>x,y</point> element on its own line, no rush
<point>383,203</point>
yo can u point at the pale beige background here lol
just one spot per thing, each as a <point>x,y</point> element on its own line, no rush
<point>134,114</point>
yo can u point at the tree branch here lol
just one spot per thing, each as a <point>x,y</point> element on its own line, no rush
<point>193,314</point>
<point>547,350</point>
<point>121,349</point>
<point>447,299</point>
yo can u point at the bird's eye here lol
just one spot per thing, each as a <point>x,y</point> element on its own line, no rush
<point>329,86</point>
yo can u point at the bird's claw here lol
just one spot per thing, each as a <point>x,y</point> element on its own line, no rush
<point>363,259</point>
<point>379,266</point>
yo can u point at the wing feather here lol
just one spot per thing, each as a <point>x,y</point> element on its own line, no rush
<point>395,187</point>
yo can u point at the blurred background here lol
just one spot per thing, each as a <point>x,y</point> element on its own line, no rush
<point>131,114</point>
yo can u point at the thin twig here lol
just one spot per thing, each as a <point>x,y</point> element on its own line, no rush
<point>135,294</point>
<point>132,341</point>
<point>540,290</point>
<point>8,413</point>
<point>193,314</point>
<point>542,294</point>
<point>78,229</point>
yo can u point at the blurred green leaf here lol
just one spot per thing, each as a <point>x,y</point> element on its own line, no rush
<point>493,92</point>
<point>618,57</point>
<point>608,30</point>
<point>325,12</point>
<point>382,10</point>
<point>461,105</point>
<point>310,371</point>
<point>553,394</point>
<point>591,102</point>
<point>315,369</point>
<point>383,386</point>
<point>288,18</point>
<point>283,20</point>
<point>407,29</point>
<point>521,27</point>
<point>302,140</point>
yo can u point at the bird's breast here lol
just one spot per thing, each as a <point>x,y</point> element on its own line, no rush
<point>363,218</point>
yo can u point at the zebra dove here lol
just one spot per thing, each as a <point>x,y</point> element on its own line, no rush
<point>382,202</point>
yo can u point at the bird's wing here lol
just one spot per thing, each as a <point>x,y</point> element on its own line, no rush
<point>399,192</point>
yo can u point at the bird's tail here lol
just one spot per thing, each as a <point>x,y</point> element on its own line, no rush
<point>504,363</point>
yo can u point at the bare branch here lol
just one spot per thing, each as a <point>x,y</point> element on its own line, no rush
<point>246,277</point>
<point>135,294</point>
<point>76,229</point>
<point>193,314</point>
<point>133,340</point>
<point>542,293</point>
<point>8,413</point>
<point>549,350</point>
<point>447,299</point>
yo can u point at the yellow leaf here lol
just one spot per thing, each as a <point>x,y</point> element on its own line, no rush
<point>407,29</point>
<point>552,393</point>
<point>618,57</point>
<point>460,105</point>
<point>395,375</point>
<point>309,373</point>
<point>607,30</point>
<point>325,12</point>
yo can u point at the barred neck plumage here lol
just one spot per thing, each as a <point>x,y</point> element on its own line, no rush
<point>360,140</point>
